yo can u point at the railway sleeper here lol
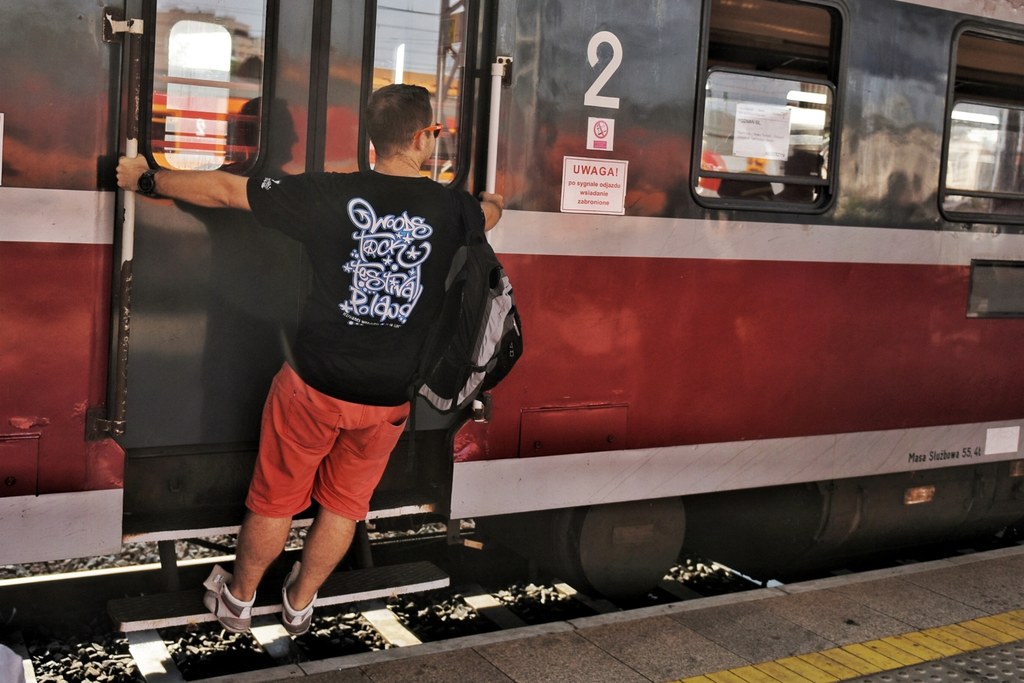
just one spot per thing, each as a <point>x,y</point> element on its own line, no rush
<point>492,609</point>
<point>388,625</point>
<point>152,657</point>
<point>273,638</point>
<point>181,608</point>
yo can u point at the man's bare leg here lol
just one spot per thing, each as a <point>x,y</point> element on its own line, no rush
<point>326,543</point>
<point>260,541</point>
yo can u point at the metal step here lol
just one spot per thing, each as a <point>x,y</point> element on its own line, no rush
<point>186,607</point>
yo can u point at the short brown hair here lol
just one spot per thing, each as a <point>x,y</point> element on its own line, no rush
<point>393,115</point>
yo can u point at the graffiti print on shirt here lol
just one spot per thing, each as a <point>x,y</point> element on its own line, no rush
<point>386,266</point>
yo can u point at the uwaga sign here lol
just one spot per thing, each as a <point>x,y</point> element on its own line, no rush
<point>594,185</point>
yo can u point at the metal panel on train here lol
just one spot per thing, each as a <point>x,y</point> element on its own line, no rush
<point>215,299</point>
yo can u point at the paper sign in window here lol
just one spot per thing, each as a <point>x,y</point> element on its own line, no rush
<point>761,131</point>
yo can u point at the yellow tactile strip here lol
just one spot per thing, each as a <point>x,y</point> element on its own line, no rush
<point>874,656</point>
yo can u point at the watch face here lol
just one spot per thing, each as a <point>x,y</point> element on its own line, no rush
<point>147,183</point>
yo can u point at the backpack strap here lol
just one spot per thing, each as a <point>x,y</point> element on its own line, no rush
<point>471,212</point>
<point>472,216</point>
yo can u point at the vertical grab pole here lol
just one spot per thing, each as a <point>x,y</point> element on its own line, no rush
<point>133,28</point>
<point>497,75</point>
<point>494,117</point>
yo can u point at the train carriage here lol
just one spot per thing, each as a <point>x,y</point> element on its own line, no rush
<point>768,255</point>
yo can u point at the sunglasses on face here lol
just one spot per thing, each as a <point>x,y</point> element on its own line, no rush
<point>435,129</point>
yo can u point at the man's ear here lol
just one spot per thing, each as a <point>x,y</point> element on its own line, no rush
<point>420,142</point>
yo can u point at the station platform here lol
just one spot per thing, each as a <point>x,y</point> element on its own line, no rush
<point>959,619</point>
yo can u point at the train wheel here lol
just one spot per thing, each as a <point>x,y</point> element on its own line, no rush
<point>616,550</point>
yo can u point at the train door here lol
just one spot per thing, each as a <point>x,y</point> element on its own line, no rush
<point>252,87</point>
<point>211,296</point>
<point>434,44</point>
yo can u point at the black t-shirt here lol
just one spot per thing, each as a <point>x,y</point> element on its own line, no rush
<point>381,247</point>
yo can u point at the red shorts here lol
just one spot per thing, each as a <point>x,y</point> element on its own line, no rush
<point>312,445</point>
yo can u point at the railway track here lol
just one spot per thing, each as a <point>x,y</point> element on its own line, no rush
<point>82,646</point>
<point>70,639</point>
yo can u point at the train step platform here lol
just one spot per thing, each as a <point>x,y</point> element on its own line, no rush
<point>959,619</point>
<point>180,608</point>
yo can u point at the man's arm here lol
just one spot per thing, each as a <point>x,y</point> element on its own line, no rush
<point>216,189</point>
<point>493,205</point>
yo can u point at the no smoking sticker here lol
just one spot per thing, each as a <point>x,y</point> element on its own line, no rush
<point>600,134</point>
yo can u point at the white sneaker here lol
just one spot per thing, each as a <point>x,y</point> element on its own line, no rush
<point>233,614</point>
<point>296,622</point>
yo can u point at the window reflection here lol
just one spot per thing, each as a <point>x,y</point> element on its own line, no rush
<point>422,42</point>
<point>774,131</point>
<point>984,149</point>
<point>767,112</point>
<point>984,156</point>
<point>207,85</point>
<point>985,146</point>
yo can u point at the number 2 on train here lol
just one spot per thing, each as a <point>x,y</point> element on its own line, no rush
<point>592,98</point>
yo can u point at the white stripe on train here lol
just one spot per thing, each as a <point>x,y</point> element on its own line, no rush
<point>83,217</point>
<point>538,233</point>
<point>60,216</point>
<point>493,487</point>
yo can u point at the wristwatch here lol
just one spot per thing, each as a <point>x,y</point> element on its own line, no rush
<point>147,183</point>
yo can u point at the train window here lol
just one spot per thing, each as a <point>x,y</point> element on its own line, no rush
<point>207,84</point>
<point>997,289</point>
<point>422,42</point>
<point>983,175</point>
<point>766,119</point>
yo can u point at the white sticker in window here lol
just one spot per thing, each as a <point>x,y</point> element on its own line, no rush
<point>761,131</point>
<point>1002,440</point>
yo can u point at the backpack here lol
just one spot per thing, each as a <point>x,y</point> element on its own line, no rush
<point>477,337</point>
